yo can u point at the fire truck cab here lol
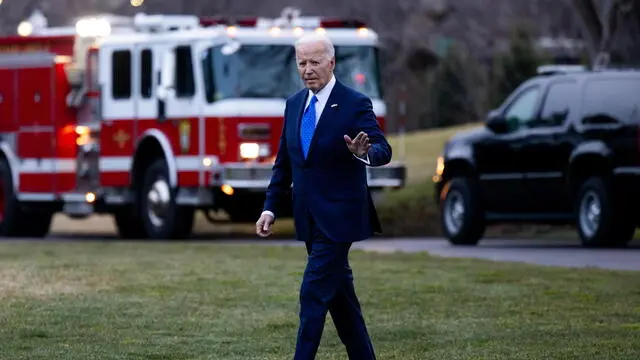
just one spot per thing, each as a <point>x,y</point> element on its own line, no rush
<point>153,117</point>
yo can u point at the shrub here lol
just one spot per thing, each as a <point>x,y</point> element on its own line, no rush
<point>515,66</point>
<point>410,211</point>
<point>454,89</point>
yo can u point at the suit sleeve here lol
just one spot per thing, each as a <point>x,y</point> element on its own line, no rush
<point>281,177</point>
<point>380,152</point>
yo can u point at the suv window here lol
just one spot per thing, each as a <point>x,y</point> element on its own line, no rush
<point>558,104</point>
<point>521,111</point>
<point>611,101</point>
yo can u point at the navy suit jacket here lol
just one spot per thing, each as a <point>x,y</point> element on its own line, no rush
<point>330,185</point>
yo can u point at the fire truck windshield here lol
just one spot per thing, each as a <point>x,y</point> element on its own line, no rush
<point>269,71</point>
<point>357,67</point>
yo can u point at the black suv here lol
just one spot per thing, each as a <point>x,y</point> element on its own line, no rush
<point>563,148</point>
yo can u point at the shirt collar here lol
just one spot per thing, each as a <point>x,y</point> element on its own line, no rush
<point>323,94</point>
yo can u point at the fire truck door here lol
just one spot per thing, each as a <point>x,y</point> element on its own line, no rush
<point>177,90</point>
<point>118,78</point>
<point>145,107</point>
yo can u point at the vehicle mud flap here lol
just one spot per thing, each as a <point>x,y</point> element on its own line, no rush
<point>245,208</point>
<point>162,218</point>
<point>129,223</point>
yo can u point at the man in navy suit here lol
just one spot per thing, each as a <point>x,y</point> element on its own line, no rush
<point>330,135</point>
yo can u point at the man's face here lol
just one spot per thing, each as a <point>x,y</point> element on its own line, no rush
<point>314,66</point>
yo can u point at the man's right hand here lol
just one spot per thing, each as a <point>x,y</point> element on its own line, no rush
<point>264,224</point>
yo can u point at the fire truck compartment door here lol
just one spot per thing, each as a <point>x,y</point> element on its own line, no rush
<point>7,100</point>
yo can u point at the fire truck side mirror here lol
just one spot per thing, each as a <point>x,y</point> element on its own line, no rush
<point>166,81</point>
<point>166,84</point>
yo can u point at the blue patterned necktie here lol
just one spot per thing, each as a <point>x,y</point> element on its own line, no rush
<point>308,126</point>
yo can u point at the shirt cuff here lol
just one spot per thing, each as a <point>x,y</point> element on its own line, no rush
<point>269,213</point>
<point>364,159</point>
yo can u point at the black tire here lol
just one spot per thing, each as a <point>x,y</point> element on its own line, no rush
<point>237,215</point>
<point>245,209</point>
<point>15,220</point>
<point>129,223</point>
<point>36,224</point>
<point>466,228</point>
<point>177,221</point>
<point>615,226</point>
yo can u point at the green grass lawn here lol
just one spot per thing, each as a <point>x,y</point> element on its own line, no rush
<point>123,300</point>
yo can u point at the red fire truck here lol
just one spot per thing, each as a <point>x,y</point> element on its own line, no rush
<point>153,117</point>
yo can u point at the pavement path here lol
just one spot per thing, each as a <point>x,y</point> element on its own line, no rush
<point>565,253</point>
<point>541,252</point>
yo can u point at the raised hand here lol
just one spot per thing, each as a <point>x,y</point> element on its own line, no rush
<point>359,145</point>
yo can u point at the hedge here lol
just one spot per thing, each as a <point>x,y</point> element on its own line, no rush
<point>412,212</point>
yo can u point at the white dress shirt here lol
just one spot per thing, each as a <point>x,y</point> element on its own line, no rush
<point>323,96</point>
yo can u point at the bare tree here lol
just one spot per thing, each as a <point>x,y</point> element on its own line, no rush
<point>412,32</point>
<point>611,28</point>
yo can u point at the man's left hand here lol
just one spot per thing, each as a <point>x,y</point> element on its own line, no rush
<point>360,145</point>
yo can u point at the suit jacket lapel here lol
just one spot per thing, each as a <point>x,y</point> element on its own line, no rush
<point>327,113</point>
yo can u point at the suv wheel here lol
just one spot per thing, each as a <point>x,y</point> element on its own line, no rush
<point>599,219</point>
<point>462,219</point>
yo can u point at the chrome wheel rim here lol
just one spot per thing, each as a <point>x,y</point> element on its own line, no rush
<point>454,212</point>
<point>590,212</point>
<point>158,199</point>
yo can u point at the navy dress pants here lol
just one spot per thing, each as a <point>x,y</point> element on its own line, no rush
<point>327,285</point>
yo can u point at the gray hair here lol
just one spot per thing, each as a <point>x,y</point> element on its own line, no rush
<point>315,37</point>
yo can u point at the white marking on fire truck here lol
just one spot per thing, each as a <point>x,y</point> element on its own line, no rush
<point>43,166</point>
<point>249,107</point>
<point>107,164</point>
<point>183,163</point>
<point>115,164</point>
<point>25,196</point>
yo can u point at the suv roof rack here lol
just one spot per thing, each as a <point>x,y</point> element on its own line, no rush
<point>554,69</point>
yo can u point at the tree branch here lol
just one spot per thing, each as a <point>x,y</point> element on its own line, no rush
<point>591,24</point>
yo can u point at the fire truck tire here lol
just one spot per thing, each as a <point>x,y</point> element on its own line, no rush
<point>161,216</point>
<point>129,224</point>
<point>15,219</point>
<point>249,214</point>
<point>35,224</point>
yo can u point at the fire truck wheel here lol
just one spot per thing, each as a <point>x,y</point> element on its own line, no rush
<point>129,224</point>
<point>15,220</point>
<point>161,216</point>
<point>247,215</point>
<point>35,224</point>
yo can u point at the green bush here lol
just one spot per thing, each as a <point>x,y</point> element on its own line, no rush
<point>515,66</point>
<point>454,89</point>
<point>410,211</point>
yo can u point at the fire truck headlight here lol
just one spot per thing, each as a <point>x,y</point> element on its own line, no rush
<point>254,150</point>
